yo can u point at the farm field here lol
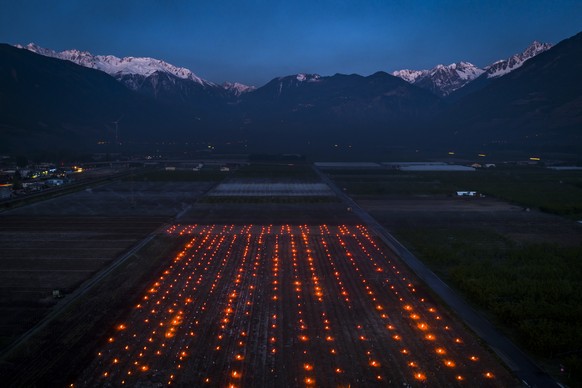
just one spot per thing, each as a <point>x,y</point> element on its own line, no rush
<point>58,244</point>
<point>445,212</point>
<point>250,187</point>
<point>125,198</point>
<point>519,265</point>
<point>42,254</point>
<point>552,191</point>
<point>341,309</point>
<point>288,305</point>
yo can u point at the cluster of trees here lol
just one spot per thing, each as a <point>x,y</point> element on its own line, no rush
<point>533,289</point>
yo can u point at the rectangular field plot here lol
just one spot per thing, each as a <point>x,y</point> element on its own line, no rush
<point>128,199</point>
<point>270,189</point>
<point>282,305</point>
<point>42,254</point>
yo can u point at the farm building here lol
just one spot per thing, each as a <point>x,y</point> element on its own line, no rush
<point>466,194</point>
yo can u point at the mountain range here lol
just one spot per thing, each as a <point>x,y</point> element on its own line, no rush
<point>75,97</point>
<point>151,77</point>
<point>445,79</point>
<point>154,76</point>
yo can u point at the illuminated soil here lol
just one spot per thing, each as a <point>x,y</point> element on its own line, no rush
<point>265,305</point>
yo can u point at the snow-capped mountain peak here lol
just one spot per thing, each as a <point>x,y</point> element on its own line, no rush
<point>118,67</point>
<point>505,66</point>
<point>536,48</point>
<point>442,79</point>
<point>410,76</point>
<point>302,77</point>
<point>462,70</point>
<point>237,88</point>
<point>445,79</point>
<point>37,49</point>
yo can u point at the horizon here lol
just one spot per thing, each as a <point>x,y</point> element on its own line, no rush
<point>24,46</point>
<point>254,43</point>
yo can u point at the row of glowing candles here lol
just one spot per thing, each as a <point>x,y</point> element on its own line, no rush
<point>202,274</point>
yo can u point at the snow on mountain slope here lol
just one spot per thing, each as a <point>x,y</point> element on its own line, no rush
<point>410,76</point>
<point>118,67</point>
<point>443,80</point>
<point>236,88</point>
<point>505,66</point>
<point>290,82</point>
<point>302,77</point>
<point>464,70</point>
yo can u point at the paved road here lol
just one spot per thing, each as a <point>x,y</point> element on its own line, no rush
<point>517,361</point>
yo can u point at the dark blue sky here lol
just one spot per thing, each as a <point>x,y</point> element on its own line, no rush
<point>253,41</point>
